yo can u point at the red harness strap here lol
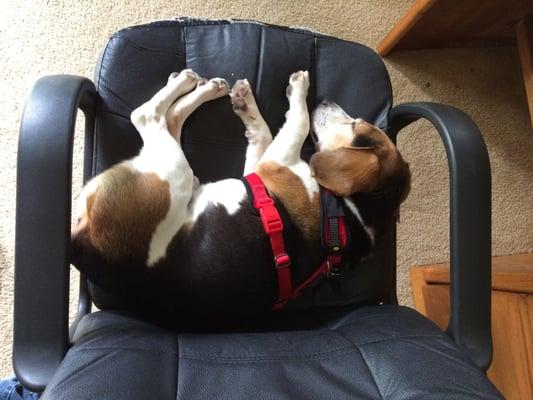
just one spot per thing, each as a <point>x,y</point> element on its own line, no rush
<point>335,240</point>
<point>274,229</point>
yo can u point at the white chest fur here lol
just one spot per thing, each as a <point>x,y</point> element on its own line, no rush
<point>228,193</point>
<point>303,171</point>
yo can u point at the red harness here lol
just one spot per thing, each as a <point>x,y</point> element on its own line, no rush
<point>334,237</point>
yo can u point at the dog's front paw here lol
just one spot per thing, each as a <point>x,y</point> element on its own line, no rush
<point>240,95</point>
<point>298,81</point>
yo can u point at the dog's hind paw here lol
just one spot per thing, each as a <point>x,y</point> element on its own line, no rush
<point>186,76</point>
<point>220,84</point>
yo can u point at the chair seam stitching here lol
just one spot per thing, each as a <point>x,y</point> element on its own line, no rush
<point>365,361</point>
<point>259,58</point>
<point>97,100</point>
<point>250,360</point>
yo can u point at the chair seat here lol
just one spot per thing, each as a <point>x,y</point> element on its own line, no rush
<point>378,352</point>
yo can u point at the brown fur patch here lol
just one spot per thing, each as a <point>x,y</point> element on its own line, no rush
<point>290,190</point>
<point>346,170</point>
<point>123,214</point>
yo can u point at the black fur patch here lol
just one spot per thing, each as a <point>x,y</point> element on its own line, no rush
<point>363,141</point>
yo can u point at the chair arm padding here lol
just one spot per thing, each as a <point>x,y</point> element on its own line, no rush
<point>470,223</point>
<point>43,220</point>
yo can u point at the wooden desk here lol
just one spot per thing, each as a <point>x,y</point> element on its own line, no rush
<point>467,23</point>
<point>512,317</point>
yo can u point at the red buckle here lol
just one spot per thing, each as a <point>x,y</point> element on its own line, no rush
<point>271,220</point>
<point>261,197</point>
<point>282,261</point>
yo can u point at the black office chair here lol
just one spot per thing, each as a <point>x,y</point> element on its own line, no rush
<point>343,339</point>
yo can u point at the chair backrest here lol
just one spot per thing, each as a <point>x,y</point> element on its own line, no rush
<point>136,62</point>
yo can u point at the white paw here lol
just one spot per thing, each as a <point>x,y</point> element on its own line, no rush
<point>201,82</point>
<point>186,76</point>
<point>220,85</point>
<point>298,81</point>
<point>217,86</point>
<point>240,96</point>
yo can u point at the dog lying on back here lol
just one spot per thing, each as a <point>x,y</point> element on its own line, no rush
<point>148,231</point>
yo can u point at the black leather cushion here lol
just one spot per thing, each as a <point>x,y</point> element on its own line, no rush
<point>380,352</point>
<point>136,63</point>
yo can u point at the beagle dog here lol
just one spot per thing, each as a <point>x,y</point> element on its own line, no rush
<point>151,234</point>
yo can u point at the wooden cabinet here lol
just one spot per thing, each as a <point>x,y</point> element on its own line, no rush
<point>512,317</point>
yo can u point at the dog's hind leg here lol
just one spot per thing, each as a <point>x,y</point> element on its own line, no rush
<point>257,130</point>
<point>286,146</point>
<point>161,153</point>
<point>149,118</point>
<point>159,122</point>
<point>206,90</point>
<point>185,106</point>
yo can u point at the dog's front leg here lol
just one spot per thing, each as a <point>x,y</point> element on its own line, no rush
<point>257,130</point>
<point>286,146</point>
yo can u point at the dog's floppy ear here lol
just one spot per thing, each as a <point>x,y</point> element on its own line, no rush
<point>78,240</point>
<point>404,186</point>
<point>346,170</point>
<point>79,235</point>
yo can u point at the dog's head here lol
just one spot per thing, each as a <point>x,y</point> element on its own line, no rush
<point>355,157</point>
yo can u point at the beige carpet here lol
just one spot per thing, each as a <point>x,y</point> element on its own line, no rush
<point>40,37</point>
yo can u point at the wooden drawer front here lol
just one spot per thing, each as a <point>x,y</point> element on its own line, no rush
<point>511,370</point>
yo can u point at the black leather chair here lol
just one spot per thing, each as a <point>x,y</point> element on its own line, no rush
<point>346,338</point>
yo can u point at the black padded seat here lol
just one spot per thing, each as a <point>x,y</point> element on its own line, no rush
<point>380,352</point>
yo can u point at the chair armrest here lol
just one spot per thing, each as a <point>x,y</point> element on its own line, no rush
<point>43,219</point>
<point>470,223</point>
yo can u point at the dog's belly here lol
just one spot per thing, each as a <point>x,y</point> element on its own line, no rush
<point>219,265</point>
<point>227,193</point>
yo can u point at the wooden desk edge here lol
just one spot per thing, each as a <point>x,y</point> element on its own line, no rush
<point>408,20</point>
